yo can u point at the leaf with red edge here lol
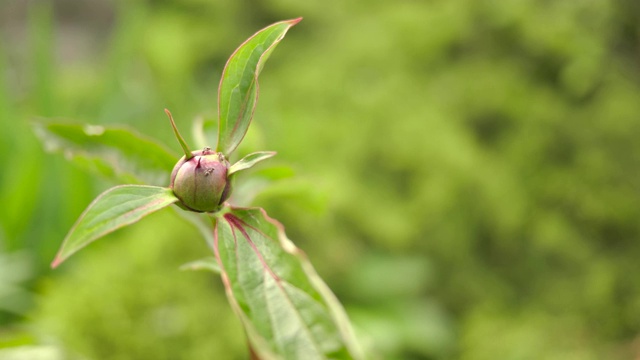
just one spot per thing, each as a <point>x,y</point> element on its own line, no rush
<point>250,160</point>
<point>287,310</point>
<point>117,207</point>
<point>238,90</point>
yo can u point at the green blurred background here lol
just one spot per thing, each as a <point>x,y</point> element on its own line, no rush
<point>466,173</point>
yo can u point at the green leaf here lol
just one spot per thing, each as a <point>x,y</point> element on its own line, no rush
<point>287,310</point>
<point>209,264</point>
<point>238,90</point>
<point>250,160</point>
<point>119,154</point>
<point>117,207</point>
<point>183,144</point>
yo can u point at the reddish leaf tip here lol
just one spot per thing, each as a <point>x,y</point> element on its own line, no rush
<point>57,261</point>
<point>295,21</point>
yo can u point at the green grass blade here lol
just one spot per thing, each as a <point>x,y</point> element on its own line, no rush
<point>41,24</point>
<point>238,90</point>
<point>286,308</point>
<point>117,207</point>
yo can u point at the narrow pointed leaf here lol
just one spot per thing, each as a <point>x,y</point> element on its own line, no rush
<point>119,154</point>
<point>250,160</point>
<point>117,207</point>
<point>176,133</point>
<point>238,90</point>
<point>287,310</point>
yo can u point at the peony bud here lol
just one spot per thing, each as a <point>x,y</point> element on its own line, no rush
<point>201,182</point>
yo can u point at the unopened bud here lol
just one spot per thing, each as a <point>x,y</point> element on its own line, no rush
<point>201,182</point>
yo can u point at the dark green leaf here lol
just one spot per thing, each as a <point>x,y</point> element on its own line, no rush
<point>117,153</point>
<point>117,207</point>
<point>238,90</point>
<point>286,308</point>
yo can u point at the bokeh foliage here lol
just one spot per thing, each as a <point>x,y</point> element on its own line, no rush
<point>466,172</point>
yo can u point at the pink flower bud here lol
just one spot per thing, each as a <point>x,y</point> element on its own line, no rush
<point>201,182</point>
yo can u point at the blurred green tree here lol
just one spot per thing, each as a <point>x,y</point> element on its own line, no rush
<point>482,190</point>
